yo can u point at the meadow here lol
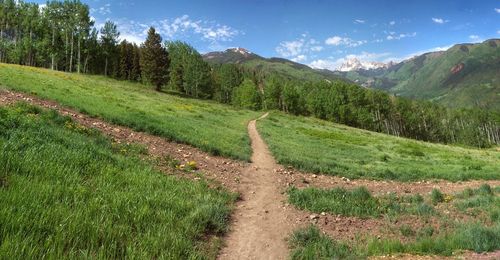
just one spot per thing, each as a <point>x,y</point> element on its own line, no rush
<point>468,220</point>
<point>68,192</point>
<point>215,128</point>
<point>322,147</point>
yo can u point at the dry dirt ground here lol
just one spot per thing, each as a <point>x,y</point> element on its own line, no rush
<point>262,219</point>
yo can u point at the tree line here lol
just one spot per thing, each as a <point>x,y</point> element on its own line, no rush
<point>62,36</point>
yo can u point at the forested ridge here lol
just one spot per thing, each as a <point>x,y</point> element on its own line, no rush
<point>62,36</point>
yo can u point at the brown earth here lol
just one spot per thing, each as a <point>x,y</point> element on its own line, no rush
<point>261,221</point>
<point>262,218</point>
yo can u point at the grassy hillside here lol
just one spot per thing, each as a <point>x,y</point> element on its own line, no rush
<point>465,75</point>
<point>215,128</point>
<point>450,77</point>
<point>67,192</point>
<point>320,146</point>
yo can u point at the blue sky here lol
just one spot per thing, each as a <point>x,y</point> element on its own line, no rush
<point>319,33</point>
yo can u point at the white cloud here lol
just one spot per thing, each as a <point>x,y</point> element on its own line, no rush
<point>297,50</point>
<point>290,48</point>
<point>475,38</point>
<point>103,10</point>
<point>498,32</point>
<point>359,21</point>
<point>325,64</point>
<point>335,40</point>
<point>320,48</point>
<point>343,41</point>
<point>439,20</point>
<point>395,36</point>
<point>208,30</point>
<point>179,28</point>
<point>300,58</point>
<point>497,10</point>
<point>391,23</point>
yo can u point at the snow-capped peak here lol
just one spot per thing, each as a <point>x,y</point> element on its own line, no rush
<point>241,51</point>
<point>353,64</point>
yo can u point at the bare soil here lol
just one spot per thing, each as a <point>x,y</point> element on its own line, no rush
<point>261,220</point>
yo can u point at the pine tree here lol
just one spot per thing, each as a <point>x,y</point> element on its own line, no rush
<point>154,60</point>
<point>109,39</point>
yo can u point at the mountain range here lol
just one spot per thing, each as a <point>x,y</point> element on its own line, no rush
<point>465,75</point>
<point>283,67</point>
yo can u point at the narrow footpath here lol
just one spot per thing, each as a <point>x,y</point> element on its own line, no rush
<point>260,222</point>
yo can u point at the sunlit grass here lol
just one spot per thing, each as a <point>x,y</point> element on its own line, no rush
<point>68,192</point>
<point>215,128</point>
<point>479,234</point>
<point>320,146</point>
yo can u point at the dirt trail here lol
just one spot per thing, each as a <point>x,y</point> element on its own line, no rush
<point>261,221</point>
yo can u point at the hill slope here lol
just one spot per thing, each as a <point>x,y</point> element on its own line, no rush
<point>184,120</point>
<point>319,146</point>
<point>283,67</point>
<point>466,75</point>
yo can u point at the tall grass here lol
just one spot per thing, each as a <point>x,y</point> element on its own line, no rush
<point>309,243</point>
<point>213,127</point>
<point>480,234</point>
<point>323,147</point>
<point>358,202</point>
<point>67,192</point>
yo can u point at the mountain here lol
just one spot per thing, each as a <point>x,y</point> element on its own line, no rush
<point>466,75</point>
<point>353,64</point>
<point>233,55</point>
<point>283,67</point>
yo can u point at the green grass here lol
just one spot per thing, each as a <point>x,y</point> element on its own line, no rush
<point>309,243</point>
<point>215,128</point>
<point>322,147</point>
<point>358,202</point>
<point>67,192</point>
<point>481,234</point>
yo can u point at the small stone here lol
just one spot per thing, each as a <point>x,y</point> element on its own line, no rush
<point>323,213</point>
<point>266,211</point>
<point>315,176</point>
<point>313,217</point>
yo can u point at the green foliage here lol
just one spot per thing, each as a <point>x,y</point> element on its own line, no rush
<point>109,39</point>
<point>247,96</point>
<point>66,194</point>
<point>357,202</point>
<point>406,230</point>
<point>480,235</point>
<point>309,243</point>
<point>228,77</point>
<point>318,146</point>
<point>189,73</point>
<point>199,123</point>
<point>154,60</point>
<point>436,196</point>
